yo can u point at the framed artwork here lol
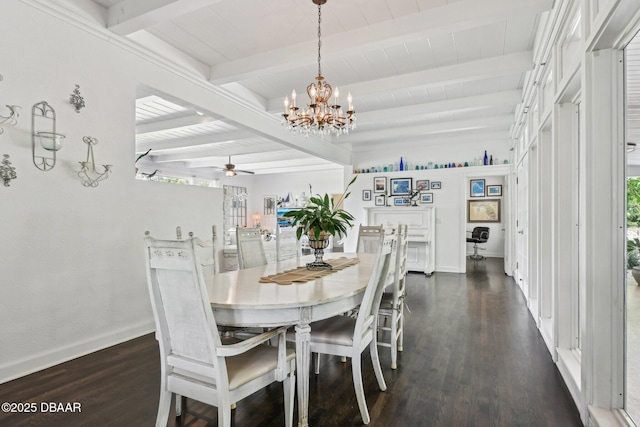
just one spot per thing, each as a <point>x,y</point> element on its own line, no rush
<point>494,190</point>
<point>436,185</point>
<point>366,195</point>
<point>422,184</point>
<point>426,197</point>
<point>400,201</point>
<point>486,210</point>
<point>380,200</point>
<point>401,186</point>
<point>269,205</point>
<point>380,184</point>
<point>476,187</point>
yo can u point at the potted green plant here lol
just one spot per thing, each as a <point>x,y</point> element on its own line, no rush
<point>319,219</point>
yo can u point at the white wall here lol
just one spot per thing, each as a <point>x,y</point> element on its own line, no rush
<point>72,263</point>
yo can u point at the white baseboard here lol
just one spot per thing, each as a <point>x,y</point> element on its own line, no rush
<point>447,269</point>
<point>545,327</point>
<point>44,360</point>
<point>488,254</point>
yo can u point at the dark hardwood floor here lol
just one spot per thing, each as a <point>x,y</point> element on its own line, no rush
<point>472,357</point>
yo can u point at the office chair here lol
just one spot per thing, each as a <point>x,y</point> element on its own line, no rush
<point>478,235</point>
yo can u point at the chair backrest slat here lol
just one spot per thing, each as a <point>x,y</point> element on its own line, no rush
<point>373,294</point>
<point>369,238</point>
<point>184,320</point>
<point>287,244</point>
<point>400,272</point>
<point>250,249</point>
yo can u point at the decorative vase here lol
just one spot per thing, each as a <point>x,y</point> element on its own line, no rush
<point>318,247</point>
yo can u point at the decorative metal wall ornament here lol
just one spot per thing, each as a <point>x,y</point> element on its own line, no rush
<point>43,129</point>
<point>7,172</point>
<point>90,177</point>
<point>11,119</point>
<point>76,99</point>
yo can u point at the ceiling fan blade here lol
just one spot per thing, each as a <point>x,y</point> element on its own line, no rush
<point>238,170</point>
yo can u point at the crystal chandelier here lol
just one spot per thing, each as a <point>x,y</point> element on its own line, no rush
<point>320,117</point>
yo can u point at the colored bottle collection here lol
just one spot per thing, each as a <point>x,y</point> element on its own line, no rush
<point>402,165</point>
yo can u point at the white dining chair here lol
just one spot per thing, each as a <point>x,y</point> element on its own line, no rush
<point>369,238</point>
<point>193,361</point>
<point>287,244</point>
<point>348,337</point>
<point>207,250</point>
<point>250,248</point>
<point>391,313</point>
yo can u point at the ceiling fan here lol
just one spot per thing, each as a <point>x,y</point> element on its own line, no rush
<point>231,171</point>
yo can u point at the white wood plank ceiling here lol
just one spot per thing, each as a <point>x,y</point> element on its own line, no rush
<point>420,71</point>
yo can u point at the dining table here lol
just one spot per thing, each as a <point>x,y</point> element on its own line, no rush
<point>239,298</point>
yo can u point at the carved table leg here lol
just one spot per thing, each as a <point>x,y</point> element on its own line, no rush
<point>303,356</point>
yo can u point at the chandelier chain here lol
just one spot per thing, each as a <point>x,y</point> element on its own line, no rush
<point>319,39</point>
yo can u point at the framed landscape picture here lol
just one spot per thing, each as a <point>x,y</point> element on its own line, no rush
<point>380,184</point>
<point>494,190</point>
<point>401,186</point>
<point>400,201</point>
<point>486,210</point>
<point>436,185</point>
<point>380,200</point>
<point>476,188</point>
<point>426,197</point>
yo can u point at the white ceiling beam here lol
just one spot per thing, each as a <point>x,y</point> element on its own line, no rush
<point>223,152</point>
<point>180,143</point>
<point>130,16</point>
<point>460,139</point>
<point>446,19</point>
<point>470,137</point>
<point>172,124</point>
<point>284,161</point>
<point>170,53</point>
<point>398,133</point>
<point>460,73</point>
<point>515,63</point>
<point>510,97</point>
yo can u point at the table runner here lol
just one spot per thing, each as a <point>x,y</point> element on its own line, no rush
<point>302,275</point>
